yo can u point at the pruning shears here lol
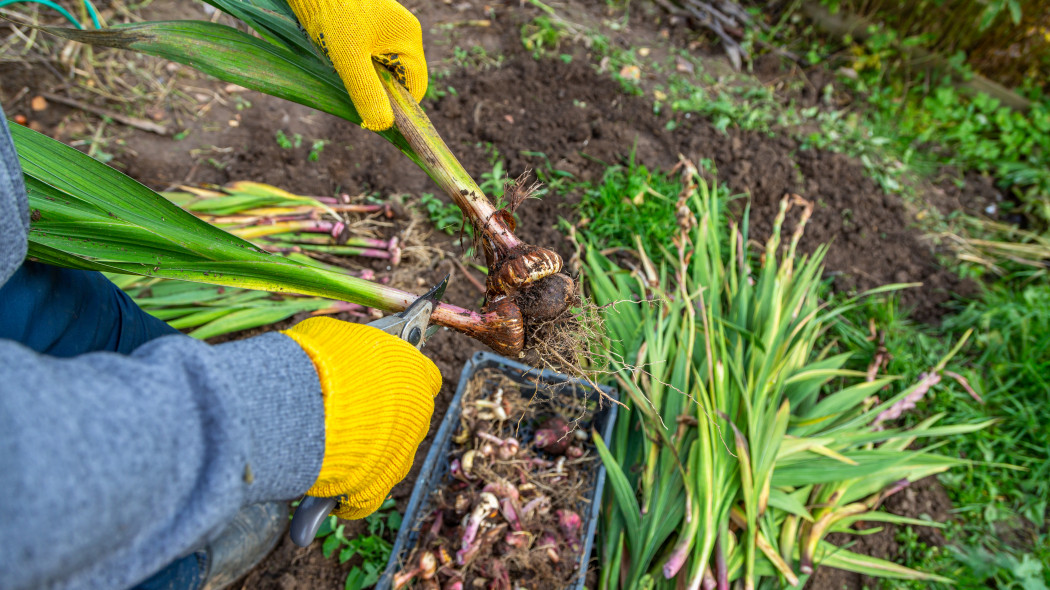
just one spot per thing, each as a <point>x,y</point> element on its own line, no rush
<point>411,325</point>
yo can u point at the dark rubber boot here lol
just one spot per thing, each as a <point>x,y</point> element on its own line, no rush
<point>251,536</point>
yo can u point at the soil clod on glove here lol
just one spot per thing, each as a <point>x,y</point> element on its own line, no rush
<point>353,32</point>
<point>378,400</point>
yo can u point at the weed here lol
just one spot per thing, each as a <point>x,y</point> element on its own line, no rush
<point>630,201</point>
<point>315,149</point>
<point>1001,569</point>
<point>288,143</point>
<point>436,91</point>
<point>447,217</point>
<point>542,35</point>
<point>850,134</point>
<point>552,181</point>
<point>211,156</point>
<point>494,182</point>
<point>99,145</point>
<point>475,58</point>
<point>749,107</point>
<point>372,546</point>
<point>622,64</point>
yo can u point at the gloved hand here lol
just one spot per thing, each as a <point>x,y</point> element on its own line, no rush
<point>351,33</point>
<point>378,399</point>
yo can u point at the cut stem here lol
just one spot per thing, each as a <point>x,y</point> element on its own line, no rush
<point>307,238</point>
<point>335,250</point>
<point>333,228</point>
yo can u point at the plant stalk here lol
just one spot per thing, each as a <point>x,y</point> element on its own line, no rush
<point>442,164</point>
<point>512,263</point>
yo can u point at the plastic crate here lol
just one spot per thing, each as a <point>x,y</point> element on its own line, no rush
<point>436,466</point>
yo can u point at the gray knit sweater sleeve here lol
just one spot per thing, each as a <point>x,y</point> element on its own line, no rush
<point>14,210</point>
<point>112,466</point>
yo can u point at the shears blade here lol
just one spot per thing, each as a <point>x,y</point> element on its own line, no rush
<point>433,296</point>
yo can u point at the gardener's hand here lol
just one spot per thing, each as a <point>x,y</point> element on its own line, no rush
<point>351,33</point>
<point>378,399</point>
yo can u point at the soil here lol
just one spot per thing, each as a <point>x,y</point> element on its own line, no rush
<point>581,121</point>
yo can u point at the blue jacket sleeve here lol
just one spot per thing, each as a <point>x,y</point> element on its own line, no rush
<point>112,466</point>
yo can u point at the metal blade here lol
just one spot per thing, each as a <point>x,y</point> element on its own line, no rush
<point>433,296</point>
<point>438,291</point>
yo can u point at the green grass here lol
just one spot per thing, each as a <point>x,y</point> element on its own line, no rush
<point>629,202</point>
<point>1000,504</point>
<point>1011,364</point>
<point>926,122</point>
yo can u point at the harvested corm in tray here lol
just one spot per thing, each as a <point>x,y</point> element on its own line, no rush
<point>507,497</point>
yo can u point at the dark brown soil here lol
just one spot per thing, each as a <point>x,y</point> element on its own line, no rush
<point>976,194</point>
<point>588,122</point>
<point>872,241</point>
<point>581,121</point>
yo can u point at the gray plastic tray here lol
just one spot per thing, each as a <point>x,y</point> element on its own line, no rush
<point>435,467</point>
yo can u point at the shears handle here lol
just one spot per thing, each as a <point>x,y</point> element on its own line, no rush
<point>311,512</point>
<point>309,516</point>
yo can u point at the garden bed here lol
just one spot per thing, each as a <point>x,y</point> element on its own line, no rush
<point>581,125</point>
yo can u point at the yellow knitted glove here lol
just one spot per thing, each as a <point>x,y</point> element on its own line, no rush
<point>351,33</point>
<point>378,399</point>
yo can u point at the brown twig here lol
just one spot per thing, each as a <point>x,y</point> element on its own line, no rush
<point>135,122</point>
<point>965,385</point>
<point>468,276</point>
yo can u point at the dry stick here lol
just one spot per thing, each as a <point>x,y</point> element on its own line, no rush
<point>126,120</point>
<point>468,276</point>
